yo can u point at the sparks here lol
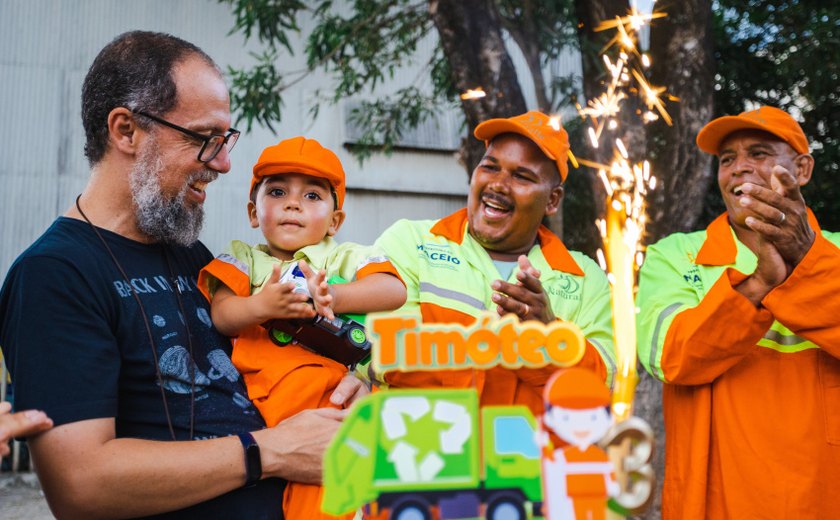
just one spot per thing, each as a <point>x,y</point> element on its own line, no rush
<point>621,149</point>
<point>474,93</point>
<point>593,137</point>
<point>626,183</point>
<point>651,96</point>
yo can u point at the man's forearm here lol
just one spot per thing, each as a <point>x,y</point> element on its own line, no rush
<point>87,473</point>
<point>132,477</point>
<point>753,289</point>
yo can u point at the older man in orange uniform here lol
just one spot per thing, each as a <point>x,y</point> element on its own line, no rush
<point>742,323</point>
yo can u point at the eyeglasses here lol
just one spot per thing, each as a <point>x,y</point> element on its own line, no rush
<point>211,144</point>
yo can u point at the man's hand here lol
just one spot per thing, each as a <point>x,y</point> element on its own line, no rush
<point>20,424</point>
<point>780,220</point>
<point>294,449</point>
<point>319,289</point>
<point>526,298</point>
<point>349,390</point>
<point>279,301</point>
<point>770,271</point>
<point>780,215</point>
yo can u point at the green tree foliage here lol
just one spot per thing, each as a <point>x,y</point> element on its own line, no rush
<point>362,43</point>
<point>360,47</point>
<point>784,53</point>
<point>778,52</point>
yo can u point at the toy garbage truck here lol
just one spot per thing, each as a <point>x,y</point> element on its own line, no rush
<point>419,454</point>
<point>343,338</point>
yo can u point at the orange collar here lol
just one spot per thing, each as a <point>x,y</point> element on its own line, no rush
<point>720,248</point>
<point>454,227</point>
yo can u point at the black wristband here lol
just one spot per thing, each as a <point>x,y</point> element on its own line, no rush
<point>253,463</point>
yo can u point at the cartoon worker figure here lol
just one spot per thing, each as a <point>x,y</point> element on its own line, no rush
<point>576,478</point>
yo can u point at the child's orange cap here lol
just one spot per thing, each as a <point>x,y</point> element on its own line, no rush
<point>301,155</point>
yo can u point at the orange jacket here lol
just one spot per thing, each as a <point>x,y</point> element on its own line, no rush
<point>752,395</point>
<point>283,381</point>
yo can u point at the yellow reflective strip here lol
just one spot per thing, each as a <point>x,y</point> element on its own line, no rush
<point>451,294</point>
<point>783,339</point>
<point>786,349</point>
<point>655,349</point>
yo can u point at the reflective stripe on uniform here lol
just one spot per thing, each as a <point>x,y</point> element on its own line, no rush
<point>654,347</point>
<point>452,295</point>
<point>237,263</point>
<point>372,260</point>
<point>785,343</point>
<point>608,359</point>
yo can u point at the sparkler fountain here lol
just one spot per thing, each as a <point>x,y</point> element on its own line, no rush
<point>622,227</point>
<point>626,186</point>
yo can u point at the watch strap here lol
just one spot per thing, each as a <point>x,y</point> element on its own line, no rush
<point>253,463</point>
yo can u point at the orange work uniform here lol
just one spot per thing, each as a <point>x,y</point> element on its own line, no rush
<point>448,276</point>
<point>752,395</point>
<point>283,381</point>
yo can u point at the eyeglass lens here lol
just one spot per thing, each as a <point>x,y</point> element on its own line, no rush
<point>213,146</point>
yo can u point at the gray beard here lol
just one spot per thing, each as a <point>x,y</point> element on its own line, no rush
<point>167,219</point>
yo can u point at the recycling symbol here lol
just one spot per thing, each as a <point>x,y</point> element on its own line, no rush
<point>454,428</point>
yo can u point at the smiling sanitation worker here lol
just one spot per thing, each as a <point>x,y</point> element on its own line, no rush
<point>496,255</point>
<point>741,323</point>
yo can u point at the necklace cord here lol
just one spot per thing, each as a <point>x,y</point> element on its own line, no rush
<point>189,339</point>
<point>177,291</point>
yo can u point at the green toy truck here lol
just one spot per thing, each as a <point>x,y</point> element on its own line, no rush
<point>342,338</point>
<point>419,454</point>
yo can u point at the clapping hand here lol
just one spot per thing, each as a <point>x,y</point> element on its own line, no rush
<point>780,215</point>
<point>319,289</point>
<point>278,300</point>
<point>525,298</point>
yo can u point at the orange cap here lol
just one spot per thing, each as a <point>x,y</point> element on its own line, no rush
<point>546,132</point>
<point>301,155</point>
<point>770,119</point>
<point>576,388</point>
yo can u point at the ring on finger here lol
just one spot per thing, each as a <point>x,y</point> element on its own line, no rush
<point>527,310</point>
<point>782,220</point>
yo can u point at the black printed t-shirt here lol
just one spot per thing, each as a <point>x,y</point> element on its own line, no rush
<point>76,345</point>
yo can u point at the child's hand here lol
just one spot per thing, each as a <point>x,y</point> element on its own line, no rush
<point>319,289</point>
<point>279,301</point>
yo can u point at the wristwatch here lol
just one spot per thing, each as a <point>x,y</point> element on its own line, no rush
<point>253,464</point>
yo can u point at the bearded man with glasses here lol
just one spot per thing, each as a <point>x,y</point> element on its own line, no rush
<point>104,329</point>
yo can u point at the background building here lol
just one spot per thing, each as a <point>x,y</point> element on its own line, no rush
<point>48,46</point>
